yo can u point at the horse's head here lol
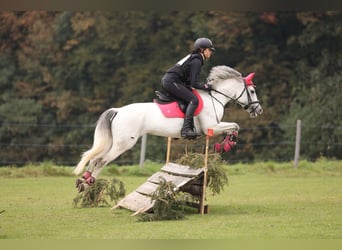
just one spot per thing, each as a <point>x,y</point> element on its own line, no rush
<point>242,92</point>
<point>249,99</point>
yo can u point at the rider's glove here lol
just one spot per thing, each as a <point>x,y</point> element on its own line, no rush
<point>207,86</point>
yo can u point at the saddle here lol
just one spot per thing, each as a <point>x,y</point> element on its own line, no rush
<point>172,107</point>
<point>165,98</point>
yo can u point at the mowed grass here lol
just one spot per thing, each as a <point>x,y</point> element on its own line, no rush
<point>262,201</point>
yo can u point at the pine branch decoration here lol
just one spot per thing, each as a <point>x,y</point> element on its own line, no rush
<point>217,177</point>
<point>98,194</point>
<point>169,203</point>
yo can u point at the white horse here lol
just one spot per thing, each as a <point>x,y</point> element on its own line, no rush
<point>118,129</point>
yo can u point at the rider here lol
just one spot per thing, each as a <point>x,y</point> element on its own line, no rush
<point>179,79</point>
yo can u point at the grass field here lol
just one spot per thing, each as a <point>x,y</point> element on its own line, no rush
<point>262,201</point>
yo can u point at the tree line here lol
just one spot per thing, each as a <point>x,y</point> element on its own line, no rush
<point>61,69</point>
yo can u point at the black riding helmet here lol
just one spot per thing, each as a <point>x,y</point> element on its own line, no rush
<point>203,43</point>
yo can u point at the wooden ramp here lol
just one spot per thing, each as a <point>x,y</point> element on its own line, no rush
<point>181,176</point>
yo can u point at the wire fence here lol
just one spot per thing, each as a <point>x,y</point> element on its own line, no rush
<point>155,144</point>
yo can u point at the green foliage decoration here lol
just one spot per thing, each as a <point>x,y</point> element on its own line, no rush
<point>168,203</point>
<point>217,177</point>
<point>98,194</point>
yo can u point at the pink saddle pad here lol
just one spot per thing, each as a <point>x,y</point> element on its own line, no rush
<point>172,109</point>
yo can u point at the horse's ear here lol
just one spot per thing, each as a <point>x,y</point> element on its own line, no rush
<point>249,79</point>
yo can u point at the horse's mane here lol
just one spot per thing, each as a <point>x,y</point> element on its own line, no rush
<point>222,72</point>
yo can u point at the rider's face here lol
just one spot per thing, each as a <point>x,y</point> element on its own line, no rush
<point>207,53</point>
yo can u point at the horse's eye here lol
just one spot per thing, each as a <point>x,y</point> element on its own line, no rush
<point>252,92</point>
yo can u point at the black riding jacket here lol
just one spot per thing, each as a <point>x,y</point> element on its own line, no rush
<point>187,70</point>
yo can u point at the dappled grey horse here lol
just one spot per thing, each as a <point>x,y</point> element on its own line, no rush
<point>118,129</point>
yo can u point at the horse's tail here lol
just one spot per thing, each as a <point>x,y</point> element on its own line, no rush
<point>102,139</point>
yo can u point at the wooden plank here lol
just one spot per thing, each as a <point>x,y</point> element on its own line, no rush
<point>182,170</point>
<point>139,200</point>
<point>178,181</point>
<point>147,188</point>
<point>136,202</point>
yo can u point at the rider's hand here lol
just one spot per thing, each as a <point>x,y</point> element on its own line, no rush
<point>207,86</point>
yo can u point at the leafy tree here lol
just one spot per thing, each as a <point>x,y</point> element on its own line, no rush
<point>61,70</point>
<point>318,97</point>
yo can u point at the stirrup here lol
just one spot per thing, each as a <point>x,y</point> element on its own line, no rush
<point>193,135</point>
<point>190,137</point>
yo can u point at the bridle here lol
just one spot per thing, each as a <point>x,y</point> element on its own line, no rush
<point>236,100</point>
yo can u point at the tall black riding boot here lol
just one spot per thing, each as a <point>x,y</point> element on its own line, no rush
<point>188,126</point>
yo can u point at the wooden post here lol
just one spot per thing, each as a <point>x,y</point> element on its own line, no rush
<point>168,151</point>
<point>297,146</point>
<point>205,174</point>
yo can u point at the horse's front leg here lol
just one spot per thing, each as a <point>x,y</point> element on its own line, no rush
<point>230,132</point>
<point>225,128</point>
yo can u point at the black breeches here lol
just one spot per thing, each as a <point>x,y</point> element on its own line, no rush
<point>178,90</point>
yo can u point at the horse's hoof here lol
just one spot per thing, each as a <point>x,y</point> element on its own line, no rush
<point>82,187</point>
<point>79,181</point>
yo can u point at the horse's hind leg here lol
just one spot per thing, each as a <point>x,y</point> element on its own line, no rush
<point>116,150</point>
<point>93,163</point>
<point>96,165</point>
<point>87,178</point>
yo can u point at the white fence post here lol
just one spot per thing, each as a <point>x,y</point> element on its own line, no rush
<point>297,146</point>
<point>143,150</point>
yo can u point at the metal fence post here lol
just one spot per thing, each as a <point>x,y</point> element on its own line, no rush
<point>143,150</point>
